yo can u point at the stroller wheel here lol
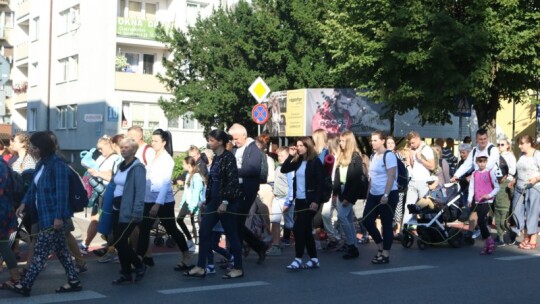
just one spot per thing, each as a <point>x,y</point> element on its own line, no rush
<point>407,239</point>
<point>455,238</point>
<point>422,245</point>
<point>159,241</point>
<point>170,242</point>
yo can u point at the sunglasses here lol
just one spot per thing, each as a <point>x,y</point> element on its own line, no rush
<point>501,145</point>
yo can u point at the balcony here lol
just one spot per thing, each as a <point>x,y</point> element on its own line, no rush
<point>23,9</point>
<point>4,2</point>
<point>21,51</point>
<point>139,83</point>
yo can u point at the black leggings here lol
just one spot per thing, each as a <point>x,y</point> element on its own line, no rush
<point>126,255</point>
<point>166,217</point>
<point>184,211</point>
<point>386,211</point>
<point>482,210</point>
<point>303,226</point>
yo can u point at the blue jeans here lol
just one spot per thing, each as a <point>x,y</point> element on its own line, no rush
<point>209,218</point>
<point>345,216</point>
<point>526,207</point>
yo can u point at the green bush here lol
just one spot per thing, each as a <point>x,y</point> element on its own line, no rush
<point>179,164</point>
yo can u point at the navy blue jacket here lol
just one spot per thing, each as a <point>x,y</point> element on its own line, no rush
<point>250,172</point>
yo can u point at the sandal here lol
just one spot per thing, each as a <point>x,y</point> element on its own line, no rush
<point>71,286</point>
<point>295,265</point>
<point>9,284</point>
<point>196,272</point>
<point>376,257</point>
<point>140,272</point>
<point>234,274</point>
<point>22,290</point>
<point>311,264</point>
<point>524,243</point>
<point>123,280</point>
<point>381,259</point>
<point>529,246</point>
<point>183,267</point>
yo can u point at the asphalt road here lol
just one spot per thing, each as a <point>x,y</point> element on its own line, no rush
<point>435,275</point>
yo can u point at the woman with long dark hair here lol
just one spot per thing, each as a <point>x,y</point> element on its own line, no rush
<point>222,202</point>
<point>307,193</point>
<point>159,198</point>
<point>49,194</point>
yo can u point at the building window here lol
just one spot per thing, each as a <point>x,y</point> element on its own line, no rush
<point>68,68</point>
<point>193,11</point>
<point>121,8</point>
<point>146,10</point>
<point>190,123</point>
<point>7,19</point>
<point>66,117</point>
<point>148,116</point>
<point>34,29</point>
<point>135,10</point>
<point>69,20</point>
<point>148,64</point>
<point>136,66</point>
<point>32,119</point>
<point>173,122</point>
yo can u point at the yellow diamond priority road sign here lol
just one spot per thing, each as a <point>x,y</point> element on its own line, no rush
<point>259,89</point>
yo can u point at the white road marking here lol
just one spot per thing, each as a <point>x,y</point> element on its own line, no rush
<point>519,257</point>
<point>390,270</point>
<point>54,298</point>
<point>213,287</point>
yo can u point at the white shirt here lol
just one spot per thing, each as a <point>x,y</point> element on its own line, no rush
<point>149,154</point>
<point>107,164</point>
<point>419,171</point>
<point>239,155</point>
<point>158,179</point>
<point>378,173</point>
<point>493,158</point>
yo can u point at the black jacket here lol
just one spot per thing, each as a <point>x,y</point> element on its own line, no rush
<point>352,189</point>
<point>314,177</point>
<point>229,189</point>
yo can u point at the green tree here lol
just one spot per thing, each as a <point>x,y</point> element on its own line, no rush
<point>216,60</point>
<point>427,54</point>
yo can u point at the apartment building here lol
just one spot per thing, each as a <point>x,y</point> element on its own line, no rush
<point>86,68</point>
<point>6,56</point>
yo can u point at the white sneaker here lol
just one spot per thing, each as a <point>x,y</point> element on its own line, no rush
<point>476,234</point>
<point>191,246</point>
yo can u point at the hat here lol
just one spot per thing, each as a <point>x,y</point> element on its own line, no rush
<point>432,178</point>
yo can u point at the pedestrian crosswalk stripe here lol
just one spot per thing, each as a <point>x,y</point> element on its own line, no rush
<point>391,270</point>
<point>518,257</point>
<point>54,298</point>
<point>212,287</point>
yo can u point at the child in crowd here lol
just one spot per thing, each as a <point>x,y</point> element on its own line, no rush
<point>282,204</point>
<point>482,189</point>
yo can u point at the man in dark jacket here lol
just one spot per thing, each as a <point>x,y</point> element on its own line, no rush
<point>248,159</point>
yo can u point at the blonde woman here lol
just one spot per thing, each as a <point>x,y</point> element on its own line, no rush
<point>347,188</point>
<point>334,236</point>
<point>320,138</point>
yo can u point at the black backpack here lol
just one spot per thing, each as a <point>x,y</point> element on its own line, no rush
<point>15,186</point>
<point>402,173</point>
<point>78,196</point>
<point>327,188</point>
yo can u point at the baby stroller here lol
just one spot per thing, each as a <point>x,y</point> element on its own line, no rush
<point>160,235</point>
<point>432,224</point>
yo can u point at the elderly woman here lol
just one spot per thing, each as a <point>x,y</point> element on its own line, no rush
<point>526,201</point>
<point>128,207</point>
<point>49,195</point>
<point>464,150</point>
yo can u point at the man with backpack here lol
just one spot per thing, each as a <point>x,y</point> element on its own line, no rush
<point>423,164</point>
<point>249,160</point>
<point>483,148</point>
